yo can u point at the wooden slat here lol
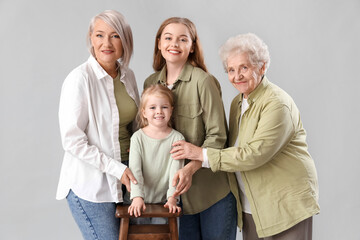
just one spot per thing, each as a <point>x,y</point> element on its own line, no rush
<point>149,228</point>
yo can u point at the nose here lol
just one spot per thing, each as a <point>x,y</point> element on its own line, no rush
<point>238,76</point>
<point>175,43</point>
<point>107,41</point>
<point>158,110</point>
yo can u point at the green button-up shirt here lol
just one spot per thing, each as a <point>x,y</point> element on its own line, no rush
<point>278,172</point>
<point>199,115</point>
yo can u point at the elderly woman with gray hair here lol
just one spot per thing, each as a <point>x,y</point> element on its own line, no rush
<point>276,177</point>
<point>98,104</point>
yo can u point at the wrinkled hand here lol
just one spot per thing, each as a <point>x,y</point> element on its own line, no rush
<point>183,177</point>
<point>136,207</point>
<point>185,150</point>
<point>126,178</point>
<point>172,206</point>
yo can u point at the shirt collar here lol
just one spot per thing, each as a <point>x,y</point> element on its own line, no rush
<point>101,73</point>
<point>185,74</point>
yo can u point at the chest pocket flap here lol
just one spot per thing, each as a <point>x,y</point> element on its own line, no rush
<point>189,110</point>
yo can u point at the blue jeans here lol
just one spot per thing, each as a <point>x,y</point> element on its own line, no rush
<point>96,221</point>
<point>218,222</point>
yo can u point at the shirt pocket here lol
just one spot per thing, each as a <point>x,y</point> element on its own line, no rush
<point>188,121</point>
<point>189,110</point>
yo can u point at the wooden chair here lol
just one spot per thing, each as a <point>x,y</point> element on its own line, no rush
<point>148,231</point>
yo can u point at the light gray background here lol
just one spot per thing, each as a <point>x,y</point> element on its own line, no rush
<point>314,47</point>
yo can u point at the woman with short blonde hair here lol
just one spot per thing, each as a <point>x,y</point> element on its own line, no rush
<point>98,104</point>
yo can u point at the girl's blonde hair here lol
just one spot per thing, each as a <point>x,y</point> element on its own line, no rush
<point>159,90</point>
<point>196,58</point>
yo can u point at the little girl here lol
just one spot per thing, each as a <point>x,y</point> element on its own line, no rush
<point>150,159</point>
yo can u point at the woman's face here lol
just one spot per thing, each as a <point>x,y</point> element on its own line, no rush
<point>175,43</point>
<point>242,75</point>
<point>107,44</point>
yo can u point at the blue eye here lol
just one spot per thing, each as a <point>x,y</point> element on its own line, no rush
<point>167,38</point>
<point>152,107</point>
<point>99,35</point>
<point>116,36</point>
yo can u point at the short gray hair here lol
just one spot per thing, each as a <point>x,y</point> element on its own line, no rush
<point>117,21</point>
<point>250,44</point>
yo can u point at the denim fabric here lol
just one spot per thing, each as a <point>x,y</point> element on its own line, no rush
<point>96,221</point>
<point>152,220</point>
<point>219,222</point>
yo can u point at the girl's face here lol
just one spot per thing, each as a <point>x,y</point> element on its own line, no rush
<point>157,111</point>
<point>175,43</point>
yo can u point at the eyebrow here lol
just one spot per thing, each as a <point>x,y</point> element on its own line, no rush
<point>100,31</point>
<point>182,35</point>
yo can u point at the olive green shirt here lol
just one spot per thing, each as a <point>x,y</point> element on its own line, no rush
<point>199,115</point>
<point>277,170</point>
<point>127,112</point>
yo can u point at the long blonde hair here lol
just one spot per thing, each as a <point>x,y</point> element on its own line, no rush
<point>155,89</point>
<point>196,58</point>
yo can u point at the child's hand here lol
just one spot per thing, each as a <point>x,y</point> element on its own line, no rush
<point>136,206</point>
<point>171,205</point>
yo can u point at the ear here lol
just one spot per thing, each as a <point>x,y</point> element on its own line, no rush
<point>262,69</point>
<point>192,48</point>
<point>143,113</point>
<point>159,44</point>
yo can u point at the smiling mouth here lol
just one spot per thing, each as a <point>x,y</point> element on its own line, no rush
<point>159,118</point>
<point>107,51</point>
<point>174,52</point>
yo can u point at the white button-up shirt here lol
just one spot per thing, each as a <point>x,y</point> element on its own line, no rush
<point>89,127</point>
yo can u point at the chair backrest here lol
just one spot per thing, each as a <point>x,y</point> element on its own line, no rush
<point>148,231</point>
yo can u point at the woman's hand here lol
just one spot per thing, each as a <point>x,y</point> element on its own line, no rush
<point>172,206</point>
<point>183,177</point>
<point>185,150</point>
<point>126,178</point>
<point>136,207</point>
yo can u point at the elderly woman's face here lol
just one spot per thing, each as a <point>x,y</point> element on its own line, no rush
<point>242,75</point>
<point>107,44</point>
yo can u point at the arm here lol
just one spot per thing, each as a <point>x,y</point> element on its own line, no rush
<point>73,120</point>
<point>274,131</point>
<point>173,199</point>
<point>212,105</point>
<point>135,165</point>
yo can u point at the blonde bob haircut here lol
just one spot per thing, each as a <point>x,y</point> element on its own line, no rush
<point>117,21</point>
<point>196,58</point>
<point>250,44</point>
<point>157,90</point>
